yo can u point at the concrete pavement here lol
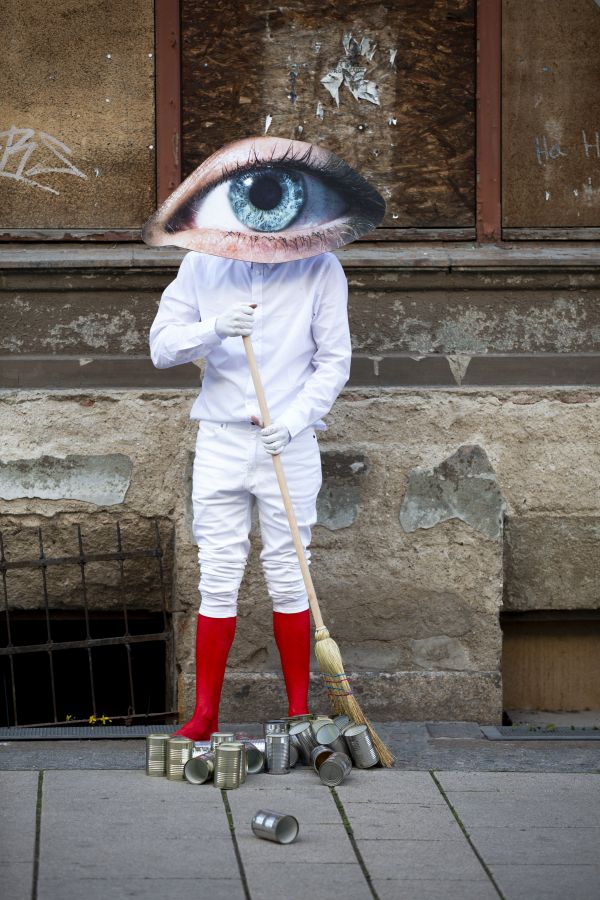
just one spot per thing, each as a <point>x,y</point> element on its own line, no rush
<point>444,834</point>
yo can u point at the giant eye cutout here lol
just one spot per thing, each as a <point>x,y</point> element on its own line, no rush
<point>267,199</point>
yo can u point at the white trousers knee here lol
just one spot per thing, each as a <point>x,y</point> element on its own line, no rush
<point>231,472</point>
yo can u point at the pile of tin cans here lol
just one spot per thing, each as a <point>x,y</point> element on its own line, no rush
<point>331,746</point>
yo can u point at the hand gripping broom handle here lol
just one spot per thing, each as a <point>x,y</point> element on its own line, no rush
<point>264,411</point>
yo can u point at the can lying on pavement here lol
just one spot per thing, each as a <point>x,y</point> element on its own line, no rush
<point>179,750</point>
<point>329,736</point>
<point>342,721</point>
<point>199,769</point>
<point>156,754</point>
<point>363,753</point>
<point>278,754</point>
<point>255,757</point>
<point>228,765</point>
<point>318,757</point>
<point>304,740</point>
<point>318,721</point>
<point>221,737</point>
<point>334,769</point>
<point>275,826</point>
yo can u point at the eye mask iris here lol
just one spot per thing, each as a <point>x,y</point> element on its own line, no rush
<point>268,199</point>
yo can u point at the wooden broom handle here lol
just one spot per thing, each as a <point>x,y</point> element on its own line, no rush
<point>287,502</point>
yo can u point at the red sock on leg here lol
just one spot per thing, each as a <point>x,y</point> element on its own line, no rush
<point>292,634</point>
<point>214,638</point>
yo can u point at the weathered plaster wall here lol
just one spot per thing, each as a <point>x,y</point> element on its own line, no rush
<point>408,555</point>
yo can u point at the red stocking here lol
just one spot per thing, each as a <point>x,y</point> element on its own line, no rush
<point>292,634</point>
<point>214,638</point>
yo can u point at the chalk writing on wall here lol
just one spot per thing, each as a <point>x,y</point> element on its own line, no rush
<point>17,146</point>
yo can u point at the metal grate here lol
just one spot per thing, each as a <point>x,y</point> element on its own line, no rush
<point>13,652</point>
<point>539,733</point>
<point>79,732</point>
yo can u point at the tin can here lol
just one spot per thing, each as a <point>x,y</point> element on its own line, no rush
<point>199,769</point>
<point>330,736</point>
<point>275,726</point>
<point>294,755</point>
<point>156,754</point>
<point>318,757</point>
<point>278,754</point>
<point>275,826</point>
<point>220,737</point>
<point>201,747</point>
<point>179,750</point>
<point>334,769</point>
<point>342,721</point>
<point>301,735</point>
<point>363,753</point>
<point>303,717</point>
<point>318,721</point>
<point>255,757</point>
<point>243,759</point>
<point>228,765</point>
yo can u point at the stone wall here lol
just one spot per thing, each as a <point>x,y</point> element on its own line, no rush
<point>422,491</point>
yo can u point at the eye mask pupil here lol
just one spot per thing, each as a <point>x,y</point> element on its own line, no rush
<point>267,200</point>
<point>265,192</point>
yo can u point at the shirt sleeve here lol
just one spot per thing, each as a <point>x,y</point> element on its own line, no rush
<point>177,335</point>
<point>332,357</point>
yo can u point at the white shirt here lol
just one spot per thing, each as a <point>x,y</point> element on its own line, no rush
<point>301,336</point>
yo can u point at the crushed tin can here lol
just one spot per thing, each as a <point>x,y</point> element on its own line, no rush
<point>228,766</point>
<point>334,769</point>
<point>156,754</point>
<point>221,737</point>
<point>318,757</point>
<point>179,750</point>
<point>275,826</point>
<point>278,754</point>
<point>304,740</point>
<point>199,769</point>
<point>363,753</point>
<point>329,736</point>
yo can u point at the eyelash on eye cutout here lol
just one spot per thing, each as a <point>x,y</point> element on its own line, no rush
<point>343,178</point>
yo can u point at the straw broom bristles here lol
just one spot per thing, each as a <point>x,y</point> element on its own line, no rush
<point>340,693</point>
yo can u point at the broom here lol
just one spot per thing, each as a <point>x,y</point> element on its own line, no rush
<point>326,650</point>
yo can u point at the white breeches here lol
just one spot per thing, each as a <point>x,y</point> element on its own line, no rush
<point>231,469</point>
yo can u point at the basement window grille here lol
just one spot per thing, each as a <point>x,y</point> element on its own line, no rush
<point>69,662</point>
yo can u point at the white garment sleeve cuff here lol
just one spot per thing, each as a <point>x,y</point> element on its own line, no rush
<point>206,332</point>
<point>293,422</point>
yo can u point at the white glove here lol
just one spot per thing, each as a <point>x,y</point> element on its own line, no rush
<point>274,438</point>
<point>235,321</point>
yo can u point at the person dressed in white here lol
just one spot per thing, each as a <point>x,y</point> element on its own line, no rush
<point>296,312</point>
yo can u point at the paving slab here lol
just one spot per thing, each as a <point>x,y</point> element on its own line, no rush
<point>299,881</point>
<point>106,887</point>
<point>322,855</point>
<point>549,846</point>
<point>124,826</point>
<point>543,882</point>
<point>398,858</point>
<point>389,786</point>
<point>433,889</point>
<point>18,792</point>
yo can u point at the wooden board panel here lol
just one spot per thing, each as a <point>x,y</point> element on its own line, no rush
<point>551,113</point>
<point>410,126</point>
<point>551,664</point>
<point>77,129</point>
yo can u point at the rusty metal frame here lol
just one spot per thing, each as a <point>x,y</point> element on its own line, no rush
<point>126,639</point>
<point>488,134</point>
